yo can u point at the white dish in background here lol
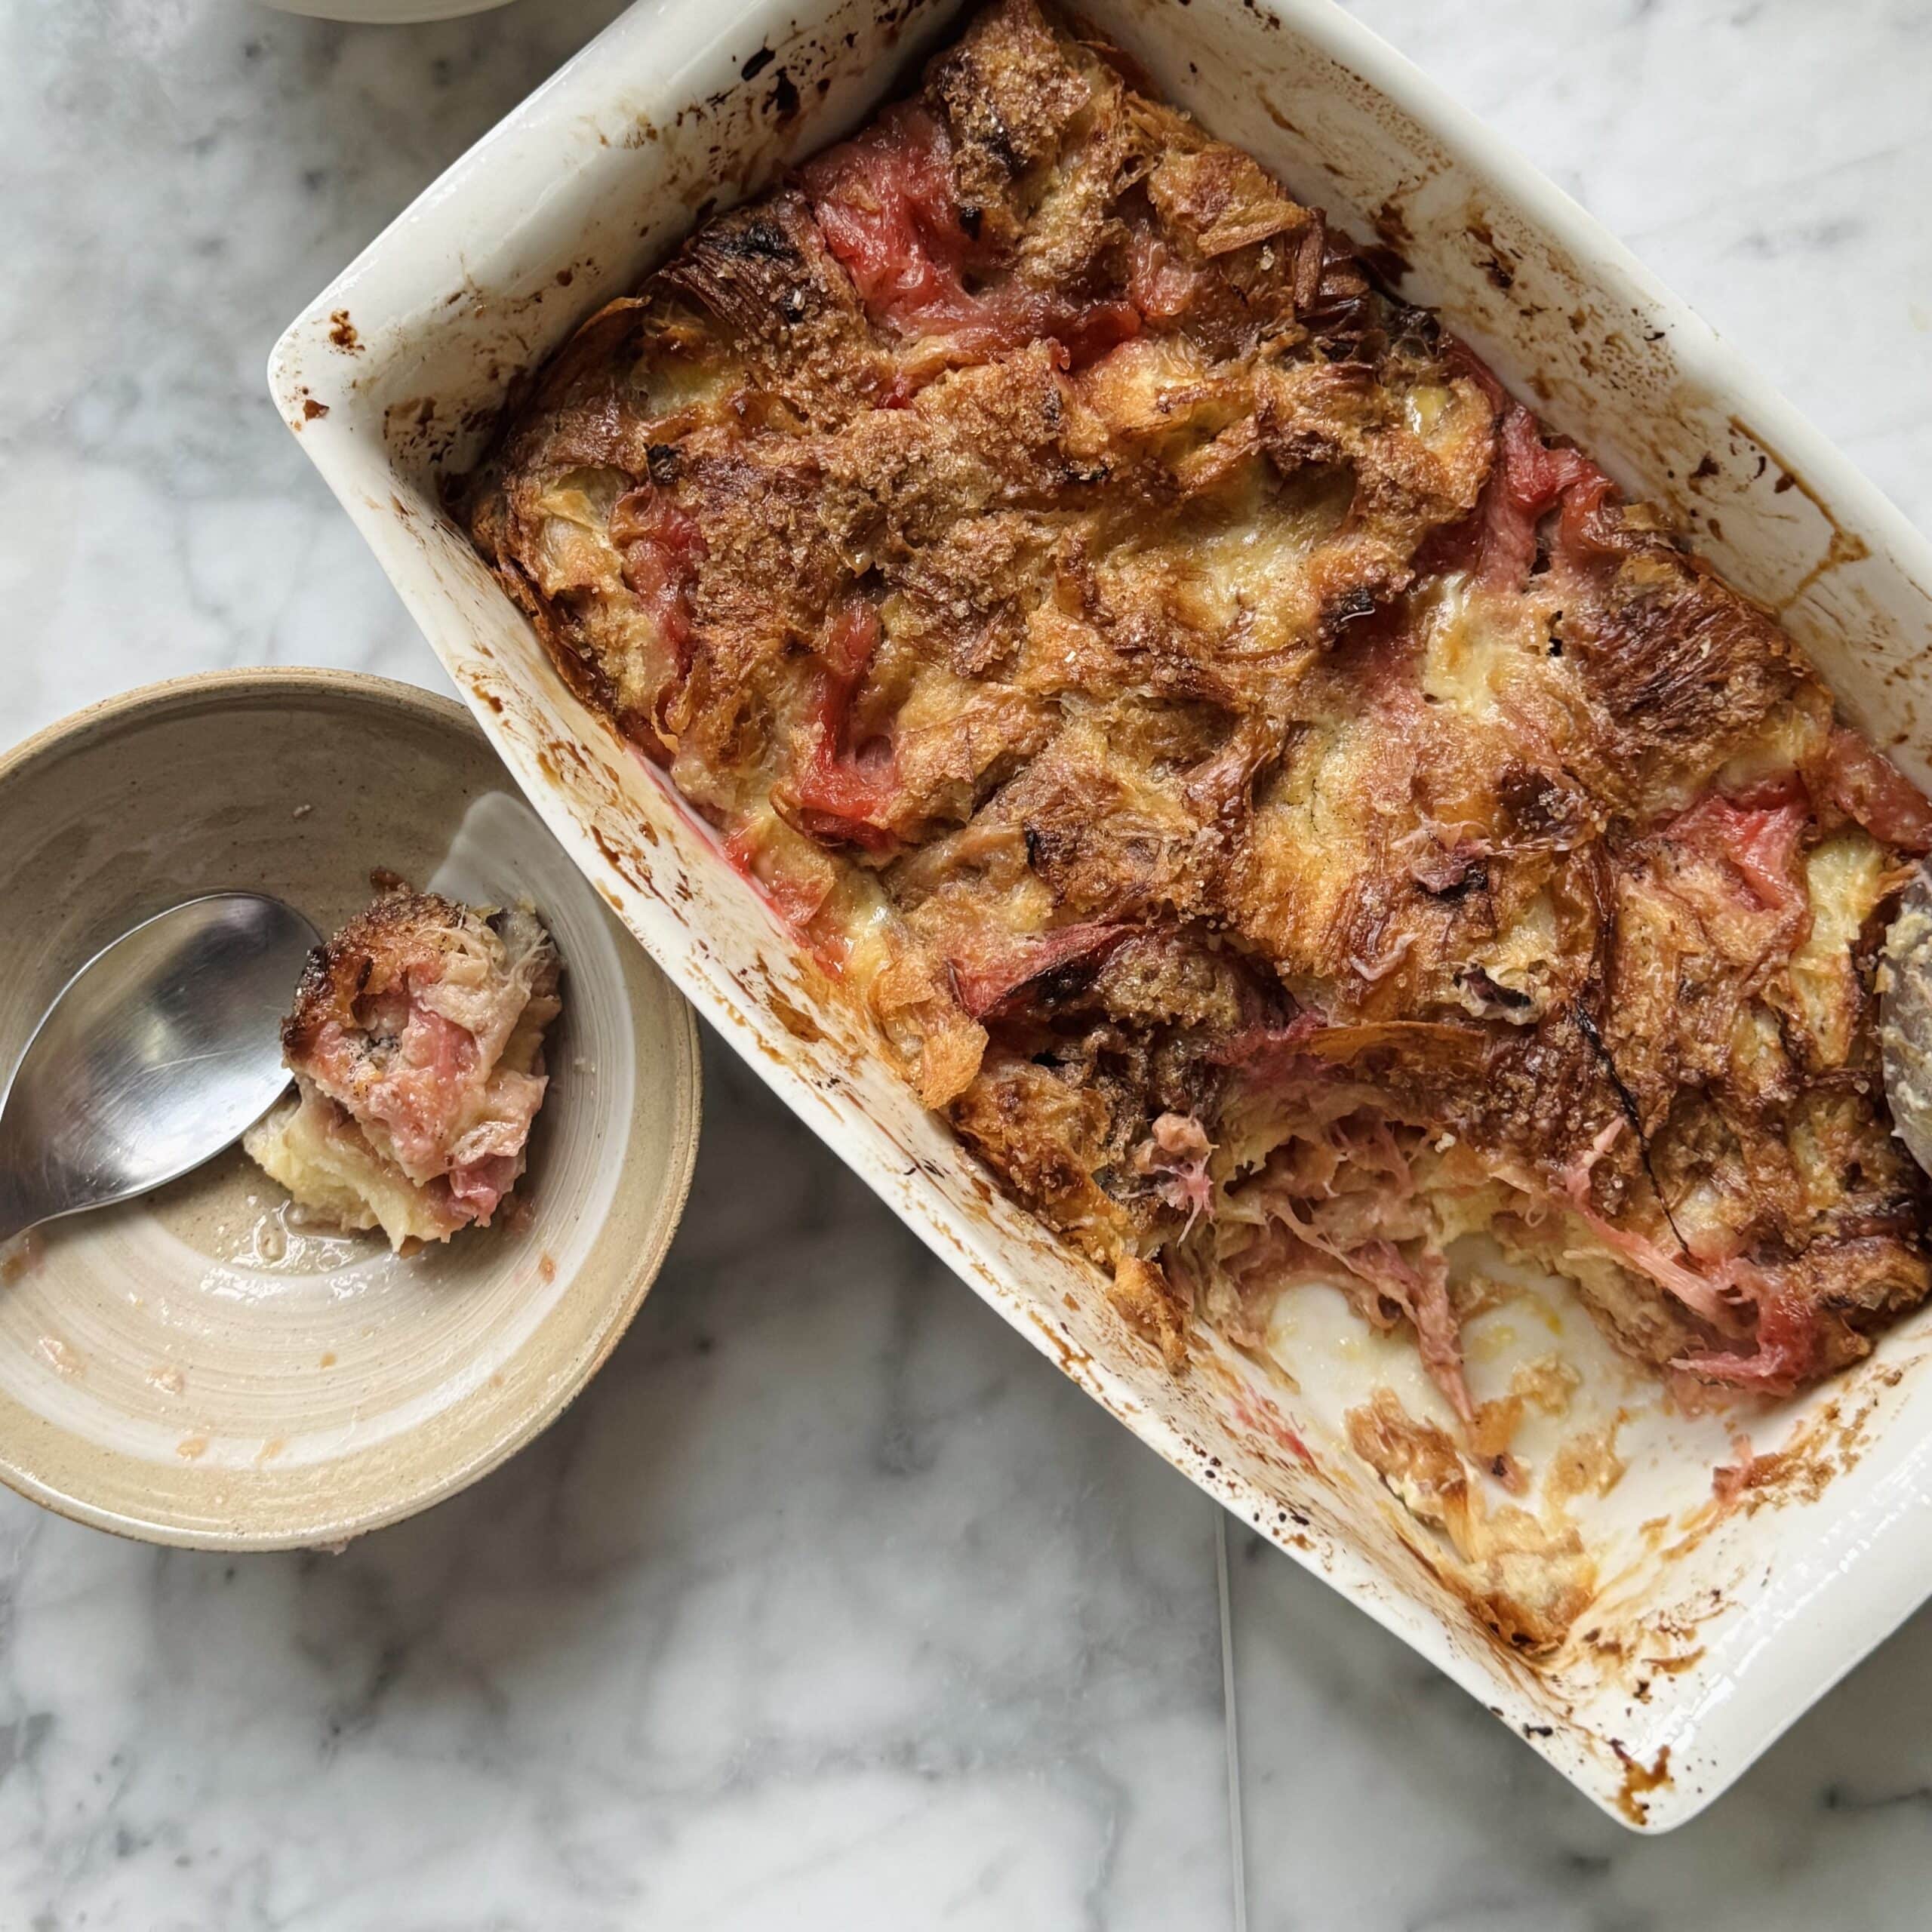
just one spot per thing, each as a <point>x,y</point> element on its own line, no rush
<point>1702,1647</point>
<point>385,13</point>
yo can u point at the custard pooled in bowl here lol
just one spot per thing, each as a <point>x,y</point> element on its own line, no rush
<point>416,1043</point>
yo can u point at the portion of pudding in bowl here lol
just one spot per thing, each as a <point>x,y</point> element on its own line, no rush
<point>416,1043</point>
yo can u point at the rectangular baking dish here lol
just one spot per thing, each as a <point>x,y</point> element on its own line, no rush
<point>1715,1627</point>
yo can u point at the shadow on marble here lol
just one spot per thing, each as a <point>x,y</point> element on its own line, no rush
<point>830,1603</point>
<point>1378,1796</point>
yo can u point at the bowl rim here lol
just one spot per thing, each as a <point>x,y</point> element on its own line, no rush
<point>183,693</point>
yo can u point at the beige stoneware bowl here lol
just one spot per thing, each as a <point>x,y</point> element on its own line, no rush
<point>193,1367</point>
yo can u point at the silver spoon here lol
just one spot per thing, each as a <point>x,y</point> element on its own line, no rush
<point>160,1051</point>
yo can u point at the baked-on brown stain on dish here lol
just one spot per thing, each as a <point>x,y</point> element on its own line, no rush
<point>1639,1780</point>
<point>1843,548</point>
<point>1495,263</point>
<point>794,1019</point>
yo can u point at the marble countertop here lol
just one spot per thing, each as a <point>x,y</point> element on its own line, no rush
<point>830,1605</point>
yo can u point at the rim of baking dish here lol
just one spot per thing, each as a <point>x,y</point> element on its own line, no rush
<point>1824,1632</point>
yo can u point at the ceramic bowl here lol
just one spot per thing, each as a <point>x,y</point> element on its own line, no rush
<point>194,1366</point>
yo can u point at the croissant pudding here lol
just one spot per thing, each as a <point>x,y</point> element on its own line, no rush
<point>416,1043</point>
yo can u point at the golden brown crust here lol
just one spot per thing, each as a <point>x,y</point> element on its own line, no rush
<point>397,933</point>
<point>1528,1579</point>
<point>1170,678</point>
<point>765,275</point>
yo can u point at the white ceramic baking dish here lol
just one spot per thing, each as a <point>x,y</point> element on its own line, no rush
<point>1714,1630</point>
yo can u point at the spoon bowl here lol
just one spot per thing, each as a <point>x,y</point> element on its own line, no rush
<point>161,1050</point>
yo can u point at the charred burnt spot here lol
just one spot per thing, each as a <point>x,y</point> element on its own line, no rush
<point>1339,305</point>
<point>662,462</point>
<point>999,141</point>
<point>783,98</point>
<point>1492,999</point>
<point>1356,603</point>
<point>1387,266</point>
<point>761,238</point>
<point>1451,876</point>
<point>1063,986</point>
<point>1539,807</point>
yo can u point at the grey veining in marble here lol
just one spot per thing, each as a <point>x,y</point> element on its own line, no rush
<point>829,1604</point>
<point>826,1605</point>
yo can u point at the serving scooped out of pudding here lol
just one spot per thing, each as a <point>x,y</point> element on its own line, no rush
<point>416,1043</point>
